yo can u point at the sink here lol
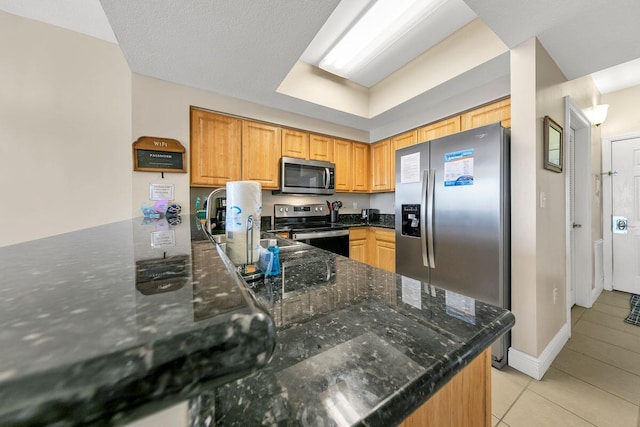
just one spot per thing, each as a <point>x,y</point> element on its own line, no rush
<point>283,244</point>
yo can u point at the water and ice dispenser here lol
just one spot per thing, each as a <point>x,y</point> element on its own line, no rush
<point>411,220</point>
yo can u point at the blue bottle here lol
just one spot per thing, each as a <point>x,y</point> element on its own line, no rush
<point>275,263</point>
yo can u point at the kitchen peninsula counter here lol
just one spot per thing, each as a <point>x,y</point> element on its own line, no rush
<point>107,324</point>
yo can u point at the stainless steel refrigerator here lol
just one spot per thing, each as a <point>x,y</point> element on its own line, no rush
<point>452,220</point>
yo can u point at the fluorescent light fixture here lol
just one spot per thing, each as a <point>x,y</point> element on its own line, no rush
<point>597,114</point>
<point>378,28</point>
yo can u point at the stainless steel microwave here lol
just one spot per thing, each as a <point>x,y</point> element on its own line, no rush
<point>300,176</point>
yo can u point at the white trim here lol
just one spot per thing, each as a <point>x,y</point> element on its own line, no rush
<point>607,246</point>
<point>598,248</point>
<point>537,367</point>
<point>583,282</point>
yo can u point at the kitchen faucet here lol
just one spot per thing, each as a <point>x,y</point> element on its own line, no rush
<point>215,194</point>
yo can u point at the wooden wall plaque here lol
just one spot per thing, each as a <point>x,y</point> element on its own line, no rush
<point>154,154</point>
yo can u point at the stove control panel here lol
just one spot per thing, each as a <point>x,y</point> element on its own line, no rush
<point>299,211</point>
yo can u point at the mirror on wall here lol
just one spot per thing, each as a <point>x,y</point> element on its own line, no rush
<point>553,149</point>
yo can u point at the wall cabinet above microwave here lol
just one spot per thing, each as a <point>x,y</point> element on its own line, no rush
<point>308,146</point>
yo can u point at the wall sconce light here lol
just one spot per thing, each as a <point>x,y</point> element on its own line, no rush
<point>597,114</point>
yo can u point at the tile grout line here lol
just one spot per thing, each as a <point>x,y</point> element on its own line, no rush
<point>566,409</point>
<point>597,387</point>
<point>514,402</point>
<point>602,361</point>
<point>632,336</point>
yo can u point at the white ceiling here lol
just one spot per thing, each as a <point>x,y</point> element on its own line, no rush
<point>245,48</point>
<point>82,16</point>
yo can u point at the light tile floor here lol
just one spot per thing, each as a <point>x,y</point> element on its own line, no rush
<point>594,381</point>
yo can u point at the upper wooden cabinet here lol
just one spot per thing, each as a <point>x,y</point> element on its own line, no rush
<point>439,129</point>
<point>343,158</point>
<point>320,148</point>
<point>307,146</point>
<point>295,144</point>
<point>360,167</point>
<point>215,148</point>
<point>382,165</point>
<point>405,139</point>
<point>499,111</point>
<point>352,165</point>
<point>261,152</point>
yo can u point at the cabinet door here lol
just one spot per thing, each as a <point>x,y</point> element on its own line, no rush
<point>215,148</point>
<point>384,249</point>
<point>499,111</point>
<point>320,148</point>
<point>358,244</point>
<point>343,159</point>
<point>464,401</point>
<point>295,144</point>
<point>381,166</point>
<point>405,139</point>
<point>261,150</point>
<point>439,129</point>
<point>360,167</point>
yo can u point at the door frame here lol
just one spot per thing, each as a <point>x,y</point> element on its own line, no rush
<point>607,192</point>
<point>583,256</point>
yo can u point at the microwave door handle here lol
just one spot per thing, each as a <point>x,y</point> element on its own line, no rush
<point>423,219</point>
<point>327,174</point>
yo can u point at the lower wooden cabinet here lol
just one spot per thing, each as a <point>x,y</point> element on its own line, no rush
<point>358,238</point>
<point>374,246</point>
<point>463,401</point>
<point>384,248</point>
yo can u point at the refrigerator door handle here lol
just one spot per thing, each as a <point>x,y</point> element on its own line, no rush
<point>430,191</point>
<point>423,218</point>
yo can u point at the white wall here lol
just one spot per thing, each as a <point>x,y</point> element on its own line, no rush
<point>65,131</point>
<point>624,112</point>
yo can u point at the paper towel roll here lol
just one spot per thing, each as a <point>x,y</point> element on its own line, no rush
<point>244,208</point>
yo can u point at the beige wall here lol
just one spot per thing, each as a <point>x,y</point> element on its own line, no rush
<point>538,233</point>
<point>624,112</point>
<point>523,197</point>
<point>65,131</point>
<point>161,109</point>
<point>550,219</point>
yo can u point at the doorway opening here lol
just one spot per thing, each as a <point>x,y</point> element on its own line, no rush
<point>579,268</point>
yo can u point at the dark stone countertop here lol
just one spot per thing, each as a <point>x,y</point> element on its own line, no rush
<point>101,326</point>
<point>114,322</point>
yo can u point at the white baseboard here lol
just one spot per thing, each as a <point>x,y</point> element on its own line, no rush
<point>595,294</point>
<point>536,367</point>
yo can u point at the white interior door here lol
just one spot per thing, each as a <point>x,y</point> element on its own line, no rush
<point>625,160</point>
<point>572,209</point>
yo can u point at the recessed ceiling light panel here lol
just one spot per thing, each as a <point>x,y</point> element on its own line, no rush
<point>378,28</point>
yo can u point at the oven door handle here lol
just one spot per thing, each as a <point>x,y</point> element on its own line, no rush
<point>319,235</point>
